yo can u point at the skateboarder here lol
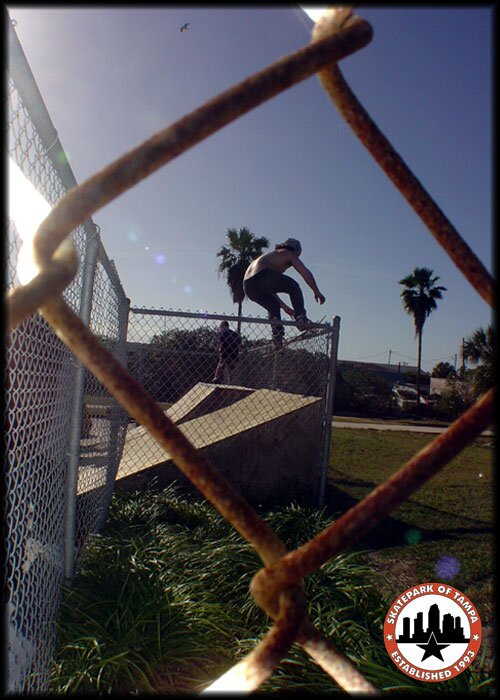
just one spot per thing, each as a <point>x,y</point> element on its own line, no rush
<point>229,350</point>
<point>264,278</point>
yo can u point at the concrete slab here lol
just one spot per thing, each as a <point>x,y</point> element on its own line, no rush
<point>262,440</point>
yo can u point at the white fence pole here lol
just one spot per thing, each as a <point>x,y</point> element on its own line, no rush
<point>92,250</point>
<point>330,394</point>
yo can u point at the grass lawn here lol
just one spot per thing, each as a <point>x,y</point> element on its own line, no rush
<point>161,602</point>
<point>451,516</point>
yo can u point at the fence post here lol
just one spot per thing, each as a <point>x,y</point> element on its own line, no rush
<point>330,393</point>
<point>90,261</point>
<point>115,449</point>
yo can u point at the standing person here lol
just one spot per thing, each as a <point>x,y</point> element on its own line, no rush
<point>229,351</point>
<point>264,278</point>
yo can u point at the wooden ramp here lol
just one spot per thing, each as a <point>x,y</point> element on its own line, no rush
<point>261,440</point>
<point>201,400</point>
<point>93,472</point>
<point>205,398</point>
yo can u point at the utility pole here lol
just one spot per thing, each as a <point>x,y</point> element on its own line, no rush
<point>463,356</point>
<point>389,357</point>
<point>455,365</point>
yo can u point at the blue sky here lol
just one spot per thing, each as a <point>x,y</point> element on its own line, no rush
<point>112,76</point>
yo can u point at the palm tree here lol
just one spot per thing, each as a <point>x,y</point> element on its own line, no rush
<point>443,370</point>
<point>243,247</point>
<point>419,300</point>
<point>479,349</point>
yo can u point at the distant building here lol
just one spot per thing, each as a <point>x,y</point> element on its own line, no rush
<point>404,391</point>
<point>437,385</point>
<point>391,373</point>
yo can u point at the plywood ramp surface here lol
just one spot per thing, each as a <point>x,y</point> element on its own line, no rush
<point>205,398</point>
<point>257,408</point>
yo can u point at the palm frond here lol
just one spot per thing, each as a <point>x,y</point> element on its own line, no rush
<point>242,247</point>
<point>235,276</point>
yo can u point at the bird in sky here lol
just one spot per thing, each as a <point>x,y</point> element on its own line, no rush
<point>185,27</point>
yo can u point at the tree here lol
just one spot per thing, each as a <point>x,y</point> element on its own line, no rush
<point>174,361</point>
<point>443,370</point>
<point>455,398</point>
<point>410,377</point>
<point>479,349</point>
<point>362,393</point>
<point>243,247</point>
<point>419,300</point>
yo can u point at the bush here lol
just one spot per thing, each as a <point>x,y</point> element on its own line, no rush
<point>362,392</point>
<point>455,398</point>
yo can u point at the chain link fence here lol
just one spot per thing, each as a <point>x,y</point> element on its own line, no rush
<point>46,519</point>
<point>60,462</point>
<point>265,420</point>
<point>65,432</point>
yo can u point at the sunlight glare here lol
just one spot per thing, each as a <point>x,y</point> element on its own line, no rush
<point>27,209</point>
<point>239,679</point>
<point>314,12</point>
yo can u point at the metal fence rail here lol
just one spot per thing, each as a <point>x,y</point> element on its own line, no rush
<point>277,586</point>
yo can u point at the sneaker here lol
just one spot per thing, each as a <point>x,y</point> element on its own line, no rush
<point>302,322</point>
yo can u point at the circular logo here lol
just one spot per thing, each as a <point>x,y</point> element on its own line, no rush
<point>432,632</point>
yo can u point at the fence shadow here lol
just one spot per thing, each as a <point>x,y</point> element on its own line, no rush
<point>394,532</point>
<point>389,533</point>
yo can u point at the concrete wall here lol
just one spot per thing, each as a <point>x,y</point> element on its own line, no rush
<point>266,443</point>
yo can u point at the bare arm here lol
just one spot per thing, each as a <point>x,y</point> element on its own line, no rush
<point>308,277</point>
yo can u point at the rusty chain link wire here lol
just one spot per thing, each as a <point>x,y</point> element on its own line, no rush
<point>277,587</point>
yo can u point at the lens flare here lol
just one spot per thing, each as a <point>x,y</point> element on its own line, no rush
<point>63,157</point>
<point>447,567</point>
<point>160,259</point>
<point>413,536</point>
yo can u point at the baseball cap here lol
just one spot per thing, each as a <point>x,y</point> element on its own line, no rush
<point>293,244</point>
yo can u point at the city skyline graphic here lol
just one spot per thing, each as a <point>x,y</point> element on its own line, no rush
<point>432,632</point>
<point>450,632</point>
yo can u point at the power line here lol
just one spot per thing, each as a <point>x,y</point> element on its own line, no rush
<point>365,357</point>
<point>446,357</point>
<point>390,352</point>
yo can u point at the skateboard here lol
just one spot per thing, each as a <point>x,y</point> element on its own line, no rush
<point>301,336</point>
<point>304,335</point>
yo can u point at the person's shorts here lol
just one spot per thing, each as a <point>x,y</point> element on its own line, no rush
<point>230,361</point>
